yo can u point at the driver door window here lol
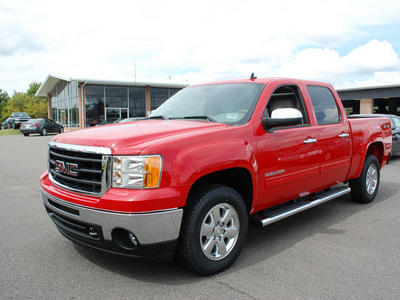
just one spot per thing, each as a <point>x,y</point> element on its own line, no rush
<point>286,97</point>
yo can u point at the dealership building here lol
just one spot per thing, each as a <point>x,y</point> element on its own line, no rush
<point>383,99</point>
<point>79,103</point>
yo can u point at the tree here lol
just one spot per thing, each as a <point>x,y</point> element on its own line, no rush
<point>38,106</point>
<point>33,88</point>
<point>17,103</point>
<point>27,102</point>
<point>3,102</point>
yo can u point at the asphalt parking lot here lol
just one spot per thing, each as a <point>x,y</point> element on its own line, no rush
<point>339,250</point>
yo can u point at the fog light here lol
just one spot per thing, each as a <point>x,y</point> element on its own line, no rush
<point>132,239</point>
<point>93,232</point>
<point>124,239</point>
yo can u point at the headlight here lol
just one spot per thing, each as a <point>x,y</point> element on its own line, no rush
<point>137,172</point>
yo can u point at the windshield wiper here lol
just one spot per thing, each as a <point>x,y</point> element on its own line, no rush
<point>165,117</point>
<point>200,117</point>
<point>159,117</point>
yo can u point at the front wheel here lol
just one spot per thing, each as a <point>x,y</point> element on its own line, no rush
<point>214,230</point>
<point>365,187</point>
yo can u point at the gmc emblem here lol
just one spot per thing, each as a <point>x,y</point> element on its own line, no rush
<point>65,168</point>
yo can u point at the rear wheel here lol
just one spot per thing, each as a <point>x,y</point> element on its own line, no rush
<point>44,131</point>
<point>214,230</point>
<point>365,187</point>
<point>26,134</point>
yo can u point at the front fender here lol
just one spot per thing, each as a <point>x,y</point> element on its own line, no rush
<point>195,162</point>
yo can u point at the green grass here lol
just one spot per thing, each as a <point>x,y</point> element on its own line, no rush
<point>10,132</point>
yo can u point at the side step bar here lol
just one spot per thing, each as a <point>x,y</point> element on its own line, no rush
<point>274,216</point>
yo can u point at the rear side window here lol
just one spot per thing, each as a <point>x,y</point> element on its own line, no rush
<point>324,104</point>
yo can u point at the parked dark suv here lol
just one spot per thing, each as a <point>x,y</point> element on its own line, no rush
<point>7,124</point>
<point>41,126</point>
<point>19,118</point>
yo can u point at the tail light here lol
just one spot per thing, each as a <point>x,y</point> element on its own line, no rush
<point>35,124</point>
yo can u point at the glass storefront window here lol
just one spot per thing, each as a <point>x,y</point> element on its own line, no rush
<point>116,114</point>
<point>116,96</point>
<point>94,100</point>
<point>158,97</point>
<point>64,104</point>
<point>173,92</point>
<point>137,102</point>
<point>103,102</point>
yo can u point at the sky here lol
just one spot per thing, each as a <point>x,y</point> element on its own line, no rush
<point>348,43</point>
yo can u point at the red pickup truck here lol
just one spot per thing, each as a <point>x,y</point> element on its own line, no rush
<point>187,181</point>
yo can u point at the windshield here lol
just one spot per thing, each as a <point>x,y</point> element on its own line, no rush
<point>21,114</point>
<point>229,103</point>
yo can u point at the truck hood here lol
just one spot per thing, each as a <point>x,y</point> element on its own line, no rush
<point>132,138</point>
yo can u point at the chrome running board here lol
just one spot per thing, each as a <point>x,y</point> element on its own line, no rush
<point>287,211</point>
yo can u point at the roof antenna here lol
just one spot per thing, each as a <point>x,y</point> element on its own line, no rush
<point>252,77</point>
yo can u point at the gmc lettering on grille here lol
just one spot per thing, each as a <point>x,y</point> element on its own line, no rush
<point>66,167</point>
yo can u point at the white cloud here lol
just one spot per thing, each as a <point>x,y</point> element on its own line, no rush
<point>377,79</point>
<point>372,58</point>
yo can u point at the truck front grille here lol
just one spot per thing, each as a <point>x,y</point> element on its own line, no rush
<point>80,168</point>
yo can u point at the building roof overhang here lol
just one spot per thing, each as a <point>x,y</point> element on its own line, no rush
<point>375,87</point>
<point>52,80</point>
<point>370,92</point>
<point>49,84</point>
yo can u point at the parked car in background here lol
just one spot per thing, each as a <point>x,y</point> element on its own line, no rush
<point>395,123</point>
<point>19,118</point>
<point>41,126</point>
<point>7,124</point>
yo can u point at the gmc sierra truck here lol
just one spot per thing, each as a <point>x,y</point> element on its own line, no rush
<point>187,181</point>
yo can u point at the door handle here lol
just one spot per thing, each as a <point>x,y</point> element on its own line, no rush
<point>310,141</point>
<point>344,135</point>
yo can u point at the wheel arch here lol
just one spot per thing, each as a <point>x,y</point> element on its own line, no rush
<point>377,150</point>
<point>238,179</point>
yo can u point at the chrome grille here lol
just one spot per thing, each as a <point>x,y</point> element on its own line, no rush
<point>80,168</point>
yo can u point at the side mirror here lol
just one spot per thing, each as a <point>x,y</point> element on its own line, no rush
<point>283,117</point>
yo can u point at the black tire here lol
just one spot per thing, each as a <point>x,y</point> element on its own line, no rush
<point>61,130</point>
<point>44,131</point>
<point>365,187</point>
<point>214,230</point>
<point>26,134</point>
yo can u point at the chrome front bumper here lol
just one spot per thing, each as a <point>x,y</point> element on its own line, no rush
<point>148,228</point>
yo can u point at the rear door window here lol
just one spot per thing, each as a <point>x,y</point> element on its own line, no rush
<point>325,105</point>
